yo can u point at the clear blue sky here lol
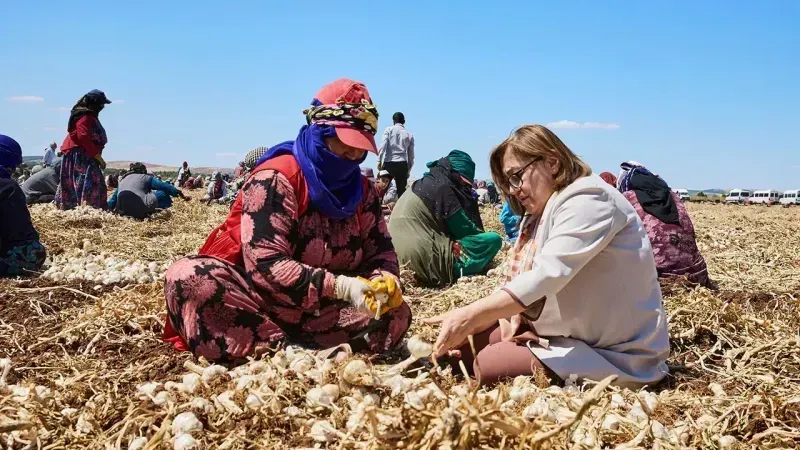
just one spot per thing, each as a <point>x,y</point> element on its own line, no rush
<point>707,94</point>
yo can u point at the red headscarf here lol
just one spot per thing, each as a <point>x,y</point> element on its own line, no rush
<point>609,178</point>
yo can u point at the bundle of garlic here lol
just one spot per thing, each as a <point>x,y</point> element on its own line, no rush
<point>77,213</point>
<point>102,268</point>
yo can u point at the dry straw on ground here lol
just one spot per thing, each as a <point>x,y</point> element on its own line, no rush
<point>83,366</point>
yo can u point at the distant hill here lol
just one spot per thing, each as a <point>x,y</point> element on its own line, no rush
<point>30,159</point>
<point>708,191</point>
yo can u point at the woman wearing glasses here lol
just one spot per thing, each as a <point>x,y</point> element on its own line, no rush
<point>436,228</point>
<point>581,295</point>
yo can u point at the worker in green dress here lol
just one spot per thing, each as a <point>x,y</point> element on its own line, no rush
<point>436,226</point>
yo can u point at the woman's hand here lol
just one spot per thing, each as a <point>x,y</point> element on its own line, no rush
<point>456,326</point>
<point>471,319</point>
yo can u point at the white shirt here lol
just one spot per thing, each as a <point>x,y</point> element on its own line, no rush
<point>397,145</point>
<point>49,154</point>
<point>604,312</point>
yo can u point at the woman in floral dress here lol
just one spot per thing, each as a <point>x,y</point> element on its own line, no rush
<point>81,179</point>
<point>301,252</point>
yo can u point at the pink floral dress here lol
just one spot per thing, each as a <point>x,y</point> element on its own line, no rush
<point>674,246</point>
<point>285,291</point>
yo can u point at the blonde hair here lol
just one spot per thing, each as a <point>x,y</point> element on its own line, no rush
<point>536,141</point>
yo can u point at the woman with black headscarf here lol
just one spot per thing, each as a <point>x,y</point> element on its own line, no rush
<point>437,229</point>
<point>81,179</point>
<point>667,223</point>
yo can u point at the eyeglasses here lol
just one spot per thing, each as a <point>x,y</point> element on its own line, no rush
<point>515,179</point>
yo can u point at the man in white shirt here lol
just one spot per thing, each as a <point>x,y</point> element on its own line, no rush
<point>396,154</point>
<point>49,154</point>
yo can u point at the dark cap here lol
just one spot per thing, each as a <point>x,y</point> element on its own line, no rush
<point>99,94</point>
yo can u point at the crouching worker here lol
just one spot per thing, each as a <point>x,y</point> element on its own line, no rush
<point>667,223</point>
<point>304,252</point>
<point>437,227</point>
<point>581,294</point>
<point>41,186</point>
<point>21,253</point>
<point>139,193</point>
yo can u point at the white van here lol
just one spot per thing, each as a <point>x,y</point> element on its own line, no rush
<point>683,194</point>
<point>790,198</point>
<point>737,196</point>
<point>767,197</point>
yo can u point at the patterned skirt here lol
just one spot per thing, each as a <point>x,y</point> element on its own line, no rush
<point>216,311</point>
<point>81,182</point>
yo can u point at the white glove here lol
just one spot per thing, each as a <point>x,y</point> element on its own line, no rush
<point>353,291</point>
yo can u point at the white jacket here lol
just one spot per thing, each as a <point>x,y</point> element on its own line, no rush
<point>604,312</point>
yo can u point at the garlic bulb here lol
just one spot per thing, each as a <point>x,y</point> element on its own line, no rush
<point>658,430</point>
<point>202,405</point>
<point>185,442</point>
<point>186,422</point>
<point>318,398</point>
<point>332,390</point>
<point>358,373</point>
<point>226,401</point>
<point>413,400</point>
<point>323,431</point>
<point>162,398</point>
<point>137,443</point>
<point>419,348</point>
<point>253,402</point>
<point>213,372</point>
<point>611,422</point>
<point>68,412</point>
<point>726,441</point>
<point>191,381</point>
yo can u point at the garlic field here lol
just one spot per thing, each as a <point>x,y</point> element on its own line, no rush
<point>82,364</point>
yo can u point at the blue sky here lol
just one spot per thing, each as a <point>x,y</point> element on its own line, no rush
<point>707,94</point>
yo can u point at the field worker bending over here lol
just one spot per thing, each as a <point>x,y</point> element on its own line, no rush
<point>581,276</point>
<point>41,186</point>
<point>304,252</point>
<point>21,253</point>
<point>81,180</point>
<point>437,228</point>
<point>139,193</point>
<point>667,223</point>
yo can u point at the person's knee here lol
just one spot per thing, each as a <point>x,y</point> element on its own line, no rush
<point>495,241</point>
<point>502,361</point>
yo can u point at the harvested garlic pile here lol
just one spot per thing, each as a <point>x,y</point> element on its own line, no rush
<point>77,213</point>
<point>102,268</point>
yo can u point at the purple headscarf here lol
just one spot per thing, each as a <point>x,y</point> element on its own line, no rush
<point>334,183</point>
<point>10,155</point>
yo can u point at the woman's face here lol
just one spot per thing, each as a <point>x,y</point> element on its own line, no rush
<point>343,150</point>
<point>537,180</point>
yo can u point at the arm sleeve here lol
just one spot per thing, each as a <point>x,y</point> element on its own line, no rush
<point>159,185</point>
<point>112,202</point>
<point>269,232</point>
<point>83,133</point>
<point>391,193</point>
<point>411,154</point>
<point>460,226</point>
<point>379,254</point>
<point>583,226</point>
<point>384,145</point>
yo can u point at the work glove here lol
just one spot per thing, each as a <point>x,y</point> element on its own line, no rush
<point>101,161</point>
<point>354,291</point>
<point>387,294</point>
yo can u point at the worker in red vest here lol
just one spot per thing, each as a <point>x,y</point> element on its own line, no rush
<point>304,256</point>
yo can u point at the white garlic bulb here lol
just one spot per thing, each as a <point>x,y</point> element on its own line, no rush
<point>191,381</point>
<point>413,400</point>
<point>658,431</point>
<point>323,431</point>
<point>213,372</point>
<point>726,441</point>
<point>358,373</point>
<point>332,390</point>
<point>186,422</point>
<point>185,442</point>
<point>253,402</point>
<point>419,348</point>
<point>137,443</point>
<point>717,390</point>
<point>611,422</point>
<point>318,398</point>
<point>202,405</point>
